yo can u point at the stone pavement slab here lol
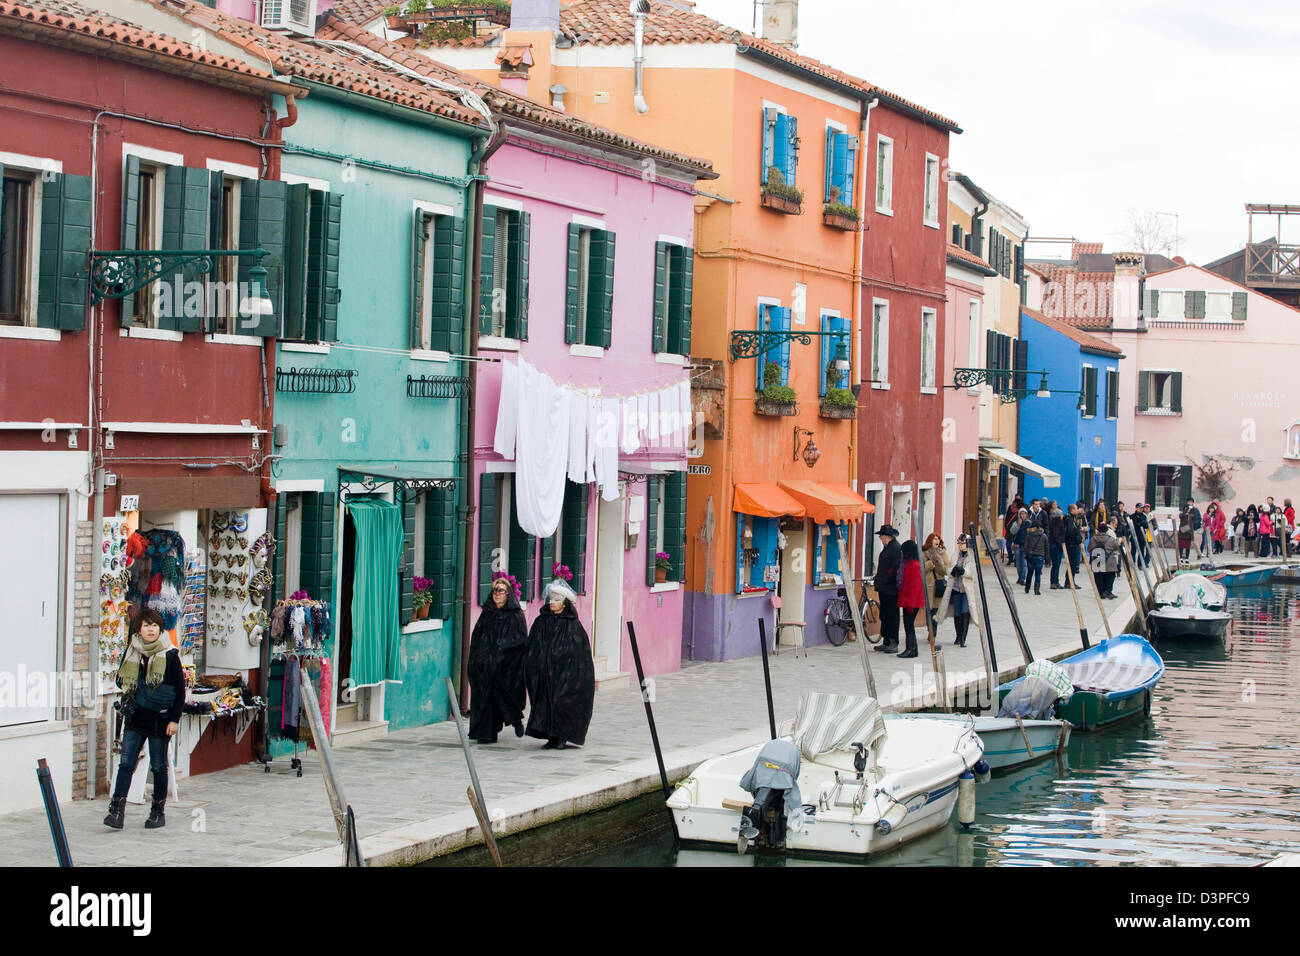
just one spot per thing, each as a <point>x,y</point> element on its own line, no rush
<point>408,789</point>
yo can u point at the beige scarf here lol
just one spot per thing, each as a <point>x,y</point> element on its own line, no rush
<point>129,673</point>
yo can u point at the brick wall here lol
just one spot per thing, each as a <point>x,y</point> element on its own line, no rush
<point>85,628</point>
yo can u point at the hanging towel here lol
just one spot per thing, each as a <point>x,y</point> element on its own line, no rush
<point>577,466</point>
<point>685,415</point>
<point>541,452</point>
<point>594,427</point>
<point>503,443</point>
<point>655,432</point>
<point>643,419</point>
<point>630,442</point>
<point>607,462</point>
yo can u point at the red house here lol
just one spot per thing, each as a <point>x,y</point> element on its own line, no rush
<point>899,451</point>
<point>161,397</point>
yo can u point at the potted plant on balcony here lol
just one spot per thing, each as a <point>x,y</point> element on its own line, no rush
<point>423,598</point>
<point>779,195</point>
<point>775,398</point>
<point>839,403</point>
<point>839,215</point>
<point>394,17</point>
<point>662,566</point>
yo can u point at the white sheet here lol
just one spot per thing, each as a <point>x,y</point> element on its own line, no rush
<point>503,441</point>
<point>541,452</point>
<point>577,465</point>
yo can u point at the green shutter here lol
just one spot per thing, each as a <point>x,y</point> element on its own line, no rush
<point>1239,305</point>
<point>488,526</point>
<point>517,250</point>
<point>573,534</point>
<point>546,561</point>
<point>406,569</point>
<point>1144,391</point>
<point>1110,486</point>
<point>678,301</point>
<point>687,300</point>
<point>600,289</point>
<point>1151,486</point>
<point>262,224</point>
<point>186,198</point>
<point>572,268</point>
<point>327,226</point>
<point>657,339</point>
<point>1153,303</point>
<point>675,524</point>
<point>523,555</point>
<point>1194,305</point>
<point>1089,391</point>
<point>63,277</point>
<point>1176,392</point>
<point>296,319</point>
<point>130,208</point>
<point>216,207</point>
<point>651,524</point>
<point>448,285</point>
<point>282,501</point>
<point>317,564</point>
<point>1184,484</point>
<point>486,257</point>
<point>440,564</point>
<point>419,236</point>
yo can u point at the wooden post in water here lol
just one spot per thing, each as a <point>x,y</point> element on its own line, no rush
<point>475,791</point>
<point>767,675</point>
<point>1078,610</point>
<point>987,630</point>
<point>1087,564</point>
<point>1143,629</point>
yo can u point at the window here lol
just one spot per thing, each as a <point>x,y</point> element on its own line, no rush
<point>1168,486</point>
<point>666,524</point>
<point>304,557</point>
<point>1160,392</point>
<point>841,167</point>
<point>1110,486</point>
<point>826,555</point>
<point>931,215</point>
<point>1218,306</point>
<point>589,297</point>
<point>145,235</point>
<point>832,377</point>
<point>502,544</point>
<point>429,550</point>
<point>1087,486</point>
<point>1000,355</point>
<point>884,175</point>
<point>929,318</point>
<point>1089,391</point>
<point>880,344</point>
<point>1170,305</point>
<point>438,280</point>
<point>226,236</point>
<point>775,318</point>
<point>503,268</point>
<point>957,235</point>
<point>780,146</point>
<point>1112,393</point>
<point>674,282</point>
<point>309,263</point>
<point>568,546</point>
<point>757,548</point>
<point>973,333</point>
<point>18,248</point>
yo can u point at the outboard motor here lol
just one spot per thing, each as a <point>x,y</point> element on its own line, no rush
<point>773,782</point>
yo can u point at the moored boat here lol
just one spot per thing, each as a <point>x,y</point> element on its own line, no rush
<point>848,780</point>
<point>1244,575</point>
<point>1009,742</point>
<point>1175,621</point>
<point>1191,589</point>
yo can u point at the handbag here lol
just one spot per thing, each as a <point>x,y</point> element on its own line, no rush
<point>940,586</point>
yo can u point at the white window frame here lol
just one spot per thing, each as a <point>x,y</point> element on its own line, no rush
<point>884,175</point>
<point>29,167</point>
<point>1216,296</point>
<point>424,351</point>
<point>879,368</point>
<point>417,562</point>
<point>930,214</point>
<point>974,339</point>
<point>292,546</point>
<point>928,313</point>
<point>227,268</point>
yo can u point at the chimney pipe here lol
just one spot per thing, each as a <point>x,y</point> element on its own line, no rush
<point>639,9</point>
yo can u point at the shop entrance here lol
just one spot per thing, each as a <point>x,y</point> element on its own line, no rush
<point>794,578</point>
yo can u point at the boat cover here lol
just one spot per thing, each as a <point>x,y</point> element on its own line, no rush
<point>1032,698</point>
<point>1105,676</point>
<point>1191,590</point>
<point>829,722</point>
<point>777,767</point>
<point>1055,676</point>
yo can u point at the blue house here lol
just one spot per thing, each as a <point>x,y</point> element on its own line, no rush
<point>1074,431</point>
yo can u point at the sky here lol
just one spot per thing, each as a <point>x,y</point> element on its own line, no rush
<point>1079,114</point>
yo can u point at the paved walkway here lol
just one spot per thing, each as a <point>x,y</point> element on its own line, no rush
<point>408,789</point>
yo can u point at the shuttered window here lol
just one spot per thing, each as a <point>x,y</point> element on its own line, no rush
<point>830,376</point>
<point>504,271</point>
<point>589,293</point>
<point>62,276</point>
<point>316,568</point>
<point>428,550</point>
<point>1112,393</point>
<point>666,524</point>
<point>263,218</point>
<point>775,318</point>
<point>884,174</point>
<point>1110,486</point>
<point>1160,392</point>
<point>674,294</point>
<point>1089,391</point>
<point>826,554</point>
<point>1087,490</point>
<point>568,546</point>
<point>841,167</point>
<point>437,281</point>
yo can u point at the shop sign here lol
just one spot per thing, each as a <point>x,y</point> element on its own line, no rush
<point>699,469</point>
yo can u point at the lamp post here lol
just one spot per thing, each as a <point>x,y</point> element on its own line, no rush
<point>1000,379</point>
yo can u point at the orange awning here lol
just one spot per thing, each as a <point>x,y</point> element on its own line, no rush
<point>828,501</point>
<point>765,500</point>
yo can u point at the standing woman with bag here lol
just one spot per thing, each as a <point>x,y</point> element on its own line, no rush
<point>936,572</point>
<point>960,603</point>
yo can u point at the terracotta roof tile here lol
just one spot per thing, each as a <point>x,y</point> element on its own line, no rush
<point>958,254</point>
<point>54,17</point>
<point>1081,299</point>
<point>1089,342</point>
<point>503,101</point>
<point>515,55</point>
<point>1081,248</point>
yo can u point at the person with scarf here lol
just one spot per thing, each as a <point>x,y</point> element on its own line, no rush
<point>1238,530</point>
<point>1105,558</point>
<point>561,676</point>
<point>936,571</point>
<point>1186,534</point>
<point>960,602</point>
<point>497,649</point>
<point>911,593</point>
<point>153,693</point>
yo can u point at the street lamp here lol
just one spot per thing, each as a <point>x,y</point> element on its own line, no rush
<point>811,453</point>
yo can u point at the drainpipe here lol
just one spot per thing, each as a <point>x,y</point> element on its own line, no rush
<point>474,200</point>
<point>859,244</point>
<point>639,9</point>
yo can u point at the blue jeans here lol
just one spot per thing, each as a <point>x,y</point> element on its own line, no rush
<point>1033,571</point>
<point>1058,552</point>
<point>1020,563</point>
<point>132,744</point>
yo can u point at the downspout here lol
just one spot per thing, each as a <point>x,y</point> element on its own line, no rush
<point>639,9</point>
<point>859,249</point>
<point>467,511</point>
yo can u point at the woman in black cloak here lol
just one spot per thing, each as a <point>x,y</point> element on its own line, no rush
<point>496,666</point>
<point>561,675</point>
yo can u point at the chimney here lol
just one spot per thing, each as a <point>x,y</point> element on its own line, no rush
<point>781,22</point>
<point>535,15</point>
<point>1126,304</point>
<point>514,62</point>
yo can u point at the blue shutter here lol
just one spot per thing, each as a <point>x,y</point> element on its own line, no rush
<point>781,145</point>
<point>830,165</point>
<point>832,550</point>
<point>812,577</point>
<point>841,163</point>
<point>765,541</point>
<point>843,326</point>
<point>826,353</point>
<point>763,322</point>
<point>740,544</point>
<point>781,322</point>
<point>769,143</point>
<point>849,191</point>
<point>791,157</point>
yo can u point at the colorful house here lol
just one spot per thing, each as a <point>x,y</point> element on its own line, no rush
<point>1073,431</point>
<point>766,260</point>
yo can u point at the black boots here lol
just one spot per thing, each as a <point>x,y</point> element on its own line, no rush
<point>962,623</point>
<point>519,728</point>
<point>116,817</point>
<point>555,743</point>
<point>887,648</point>
<point>156,818</point>
<point>910,652</point>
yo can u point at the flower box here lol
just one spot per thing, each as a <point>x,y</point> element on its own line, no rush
<point>763,406</point>
<point>790,207</point>
<point>838,220</point>
<point>837,411</point>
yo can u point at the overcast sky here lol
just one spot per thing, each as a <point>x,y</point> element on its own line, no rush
<point>1076,113</point>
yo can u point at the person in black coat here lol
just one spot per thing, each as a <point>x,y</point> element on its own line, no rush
<point>497,649</point>
<point>153,693</point>
<point>561,675</point>
<point>887,588</point>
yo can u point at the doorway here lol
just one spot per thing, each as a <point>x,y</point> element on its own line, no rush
<point>608,626</point>
<point>900,513</point>
<point>794,577</point>
<point>950,510</point>
<point>31,604</point>
<point>343,685</point>
<point>924,511</point>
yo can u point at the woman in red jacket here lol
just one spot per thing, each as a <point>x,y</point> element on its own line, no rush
<point>911,594</point>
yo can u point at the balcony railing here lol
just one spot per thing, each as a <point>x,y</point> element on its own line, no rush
<point>1268,263</point>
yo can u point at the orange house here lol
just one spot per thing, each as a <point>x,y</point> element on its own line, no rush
<point>777,248</point>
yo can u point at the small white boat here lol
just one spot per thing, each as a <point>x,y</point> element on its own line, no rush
<point>1175,621</point>
<point>1009,742</point>
<point>1189,589</point>
<point>848,780</point>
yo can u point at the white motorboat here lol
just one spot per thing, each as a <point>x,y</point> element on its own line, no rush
<point>848,780</point>
<point>1010,742</point>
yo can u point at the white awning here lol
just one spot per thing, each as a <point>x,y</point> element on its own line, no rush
<point>1050,478</point>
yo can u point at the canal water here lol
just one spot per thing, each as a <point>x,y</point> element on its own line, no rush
<point>1212,777</point>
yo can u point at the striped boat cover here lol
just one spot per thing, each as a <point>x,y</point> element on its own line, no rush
<point>828,722</point>
<point>1103,676</point>
<point>1054,674</point>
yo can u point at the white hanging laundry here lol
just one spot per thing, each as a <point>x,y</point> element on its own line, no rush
<point>643,419</point>
<point>577,465</point>
<point>503,441</point>
<point>607,461</point>
<point>541,452</point>
<point>669,413</point>
<point>596,425</point>
<point>655,421</point>
<point>630,440</point>
<point>685,413</point>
